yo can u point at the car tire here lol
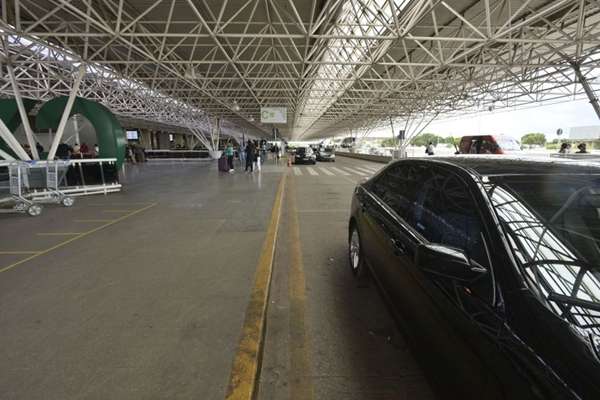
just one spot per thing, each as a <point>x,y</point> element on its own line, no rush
<point>355,253</point>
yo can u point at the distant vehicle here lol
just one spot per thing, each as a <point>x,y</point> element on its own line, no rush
<point>326,154</point>
<point>493,265</point>
<point>305,155</point>
<point>488,144</point>
<point>348,142</point>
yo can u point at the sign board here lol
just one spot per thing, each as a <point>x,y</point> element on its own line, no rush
<point>273,115</point>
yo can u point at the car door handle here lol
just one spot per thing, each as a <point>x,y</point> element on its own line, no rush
<point>399,248</point>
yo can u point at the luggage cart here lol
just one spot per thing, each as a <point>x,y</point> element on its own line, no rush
<point>18,178</point>
<point>49,192</point>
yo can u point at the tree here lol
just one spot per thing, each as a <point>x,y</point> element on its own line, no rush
<point>388,142</point>
<point>532,139</point>
<point>424,139</point>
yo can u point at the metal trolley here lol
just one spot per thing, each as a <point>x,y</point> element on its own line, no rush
<point>49,192</point>
<point>32,183</point>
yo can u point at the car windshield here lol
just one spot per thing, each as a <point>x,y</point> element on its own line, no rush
<point>553,226</point>
<point>300,150</point>
<point>508,144</point>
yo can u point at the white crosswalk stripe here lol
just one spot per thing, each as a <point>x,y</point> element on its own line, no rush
<point>297,171</point>
<point>368,171</point>
<point>326,171</point>
<point>311,171</point>
<point>354,171</point>
<point>342,172</point>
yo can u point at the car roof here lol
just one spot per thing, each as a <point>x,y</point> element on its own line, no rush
<point>516,165</point>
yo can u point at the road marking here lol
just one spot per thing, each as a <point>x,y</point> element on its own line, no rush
<point>311,171</point>
<point>116,211</point>
<point>297,171</point>
<point>340,171</point>
<point>93,220</point>
<point>58,233</point>
<point>329,210</point>
<point>300,385</point>
<point>61,244</point>
<point>17,252</point>
<point>326,171</point>
<point>368,171</point>
<point>244,376</point>
<point>355,171</point>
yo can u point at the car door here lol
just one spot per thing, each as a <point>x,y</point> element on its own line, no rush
<point>386,195</point>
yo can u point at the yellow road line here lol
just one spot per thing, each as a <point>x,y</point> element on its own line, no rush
<point>61,244</point>
<point>300,382</point>
<point>93,220</point>
<point>58,233</point>
<point>244,372</point>
<point>17,252</point>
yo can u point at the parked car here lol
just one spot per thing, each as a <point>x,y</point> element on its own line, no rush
<point>348,142</point>
<point>488,144</point>
<point>326,154</point>
<point>305,155</point>
<point>493,267</point>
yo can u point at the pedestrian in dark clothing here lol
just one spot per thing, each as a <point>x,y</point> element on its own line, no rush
<point>40,148</point>
<point>63,151</point>
<point>249,156</point>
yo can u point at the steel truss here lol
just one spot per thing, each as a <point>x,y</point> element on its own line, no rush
<point>336,64</point>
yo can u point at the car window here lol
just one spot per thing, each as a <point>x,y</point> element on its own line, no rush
<point>397,186</point>
<point>446,213</point>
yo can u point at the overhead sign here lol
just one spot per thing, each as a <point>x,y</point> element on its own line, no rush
<point>273,115</point>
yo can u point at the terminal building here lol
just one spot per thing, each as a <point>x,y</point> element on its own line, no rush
<point>183,214</point>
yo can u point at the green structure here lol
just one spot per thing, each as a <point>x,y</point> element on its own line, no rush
<point>9,114</point>
<point>110,134</point>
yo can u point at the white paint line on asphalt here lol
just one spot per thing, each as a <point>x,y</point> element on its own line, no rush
<point>368,171</point>
<point>355,171</point>
<point>340,171</point>
<point>297,171</point>
<point>326,171</point>
<point>311,171</point>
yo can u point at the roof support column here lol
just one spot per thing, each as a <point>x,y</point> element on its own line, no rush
<point>587,88</point>
<point>6,156</point>
<point>23,113</point>
<point>65,116</point>
<point>13,143</point>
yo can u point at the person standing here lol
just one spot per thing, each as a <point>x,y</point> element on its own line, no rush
<point>429,149</point>
<point>249,150</point>
<point>229,154</point>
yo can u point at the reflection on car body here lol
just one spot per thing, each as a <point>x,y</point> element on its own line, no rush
<point>495,265</point>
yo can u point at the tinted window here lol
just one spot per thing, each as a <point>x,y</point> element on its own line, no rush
<point>553,226</point>
<point>397,187</point>
<point>445,213</point>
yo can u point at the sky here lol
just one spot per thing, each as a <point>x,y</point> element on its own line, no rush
<point>541,118</point>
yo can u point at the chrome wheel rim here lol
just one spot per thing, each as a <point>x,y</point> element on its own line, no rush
<point>354,249</point>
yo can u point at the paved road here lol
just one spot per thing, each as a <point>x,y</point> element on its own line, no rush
<point>143,294</point>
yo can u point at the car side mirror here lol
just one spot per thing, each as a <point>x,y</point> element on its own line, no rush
<point>446,262</point>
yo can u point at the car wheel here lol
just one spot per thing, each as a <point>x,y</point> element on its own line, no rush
<point>355,253</point>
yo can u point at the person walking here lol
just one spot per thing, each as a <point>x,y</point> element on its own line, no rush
<point>256,155</point>
<point>249,150</point>
<point>229,154</point>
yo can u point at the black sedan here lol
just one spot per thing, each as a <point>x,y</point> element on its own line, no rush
<point>492,268</point>
<point>305,155</point>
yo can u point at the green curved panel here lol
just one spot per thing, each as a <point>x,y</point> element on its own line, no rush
<point>9,114</point>
<point>110,134</point>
